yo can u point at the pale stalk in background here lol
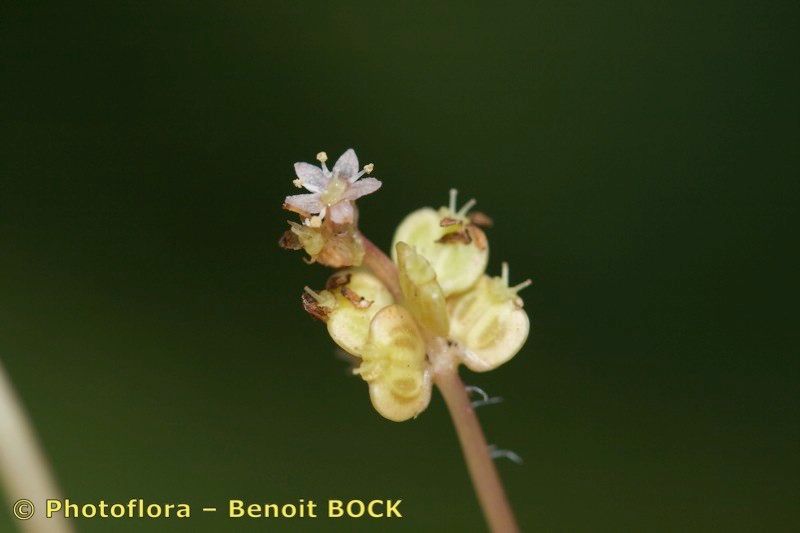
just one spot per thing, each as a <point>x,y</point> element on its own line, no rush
<point>488,487</point>
<point>24,471</point>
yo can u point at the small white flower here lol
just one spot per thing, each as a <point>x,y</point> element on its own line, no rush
<point>332,192</point>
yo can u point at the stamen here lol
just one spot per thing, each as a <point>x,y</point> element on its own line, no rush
<point>298,183</point>
<point>322,157</point>
<point>311,293</point>
<point>504,273</point>
<point>453,197</point>
<point>466,207</point>
<point>519,287</point>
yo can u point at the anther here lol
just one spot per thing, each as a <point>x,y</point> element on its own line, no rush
<point>322,157</point>
<point>369,168</point>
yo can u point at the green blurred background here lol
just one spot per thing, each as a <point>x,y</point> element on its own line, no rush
<point>640,161</point>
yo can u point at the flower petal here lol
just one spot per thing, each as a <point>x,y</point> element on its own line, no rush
<point>311,176</point>
<point>347,166</point>
<point>361,188</point>
<point>342,213</point>
<point>304,203</point>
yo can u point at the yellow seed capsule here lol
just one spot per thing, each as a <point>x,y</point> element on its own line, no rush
<point>422,294</point>
<point>456,248</point>
<point>358,297</point>
<point>394,365</point>
<point>488,322</point>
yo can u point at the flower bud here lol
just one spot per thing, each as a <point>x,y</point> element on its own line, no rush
<point>422,294</point>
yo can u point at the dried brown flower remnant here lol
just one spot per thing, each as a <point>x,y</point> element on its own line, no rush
<point>456,237</point>
<point>338,280</point>
<point>290,241</point>
<point>305,215</point>
<point>354,298</point>
<point>477,236</point>
<point>481,219</point>
<point>314,308</point>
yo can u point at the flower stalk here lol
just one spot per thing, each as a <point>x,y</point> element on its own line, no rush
<point>488,487</point>
<point>412,319</point>
<point>483,473</point>
<point>380,265</point>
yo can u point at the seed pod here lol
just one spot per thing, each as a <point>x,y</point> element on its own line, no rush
<point>394,365</point>
<point>455,247</point>
<point>422,294</point>
<point>359,296</point>
<point>488,322</point>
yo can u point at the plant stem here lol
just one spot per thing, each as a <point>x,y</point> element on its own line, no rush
<point>380,265</point>
<point>485,480</point>
<point>24,471</point>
